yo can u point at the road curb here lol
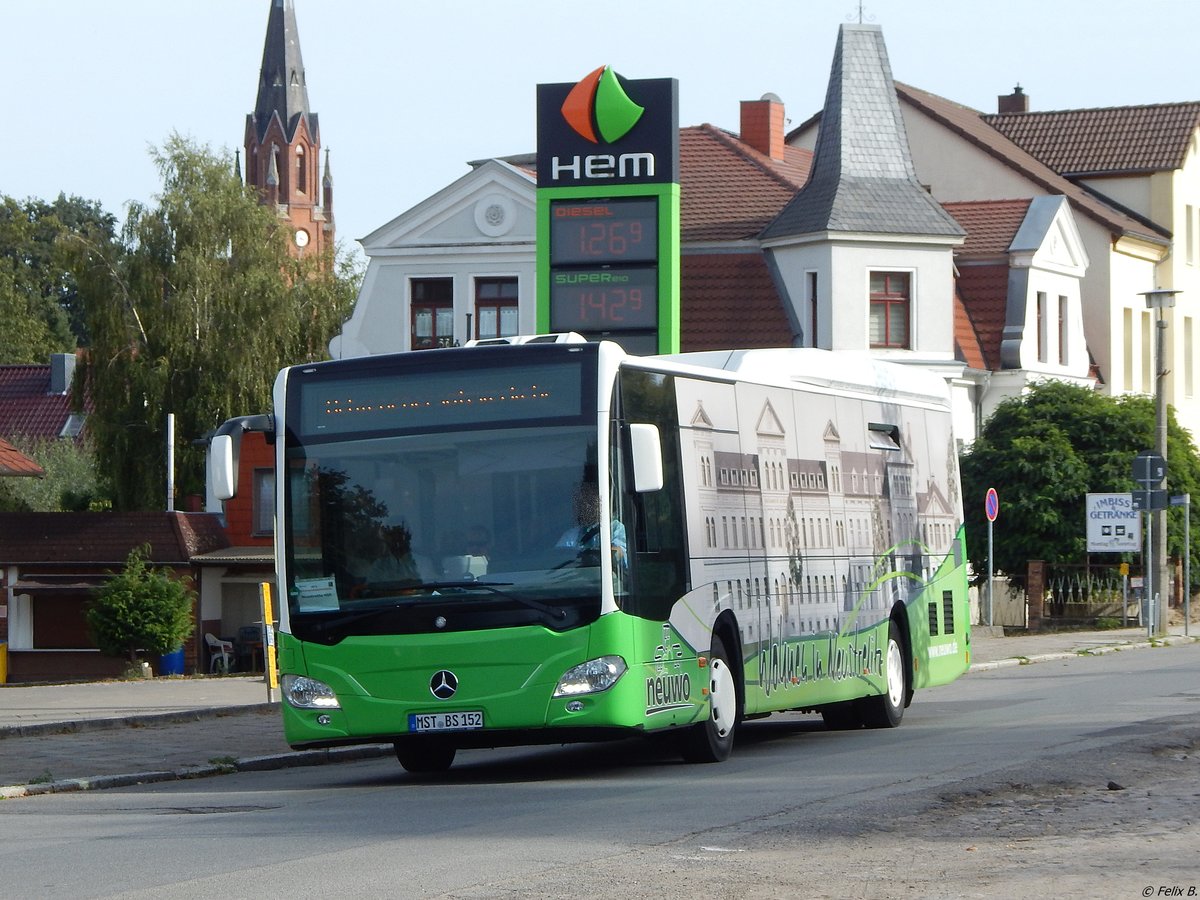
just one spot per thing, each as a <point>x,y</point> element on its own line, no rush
<point>75,726</point>
<point>1165,641</point>
<point>249,764</point>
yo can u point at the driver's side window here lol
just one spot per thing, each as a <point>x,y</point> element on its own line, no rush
<point>653,521</point>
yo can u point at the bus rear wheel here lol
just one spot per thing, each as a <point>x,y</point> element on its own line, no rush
<point>886,710</point>
<point>423,756</point>
<point>712,740</point>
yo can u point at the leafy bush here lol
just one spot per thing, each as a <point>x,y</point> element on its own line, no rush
<point>141,608</point>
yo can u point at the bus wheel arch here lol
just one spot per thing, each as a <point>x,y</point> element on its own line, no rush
<point>900,619</point>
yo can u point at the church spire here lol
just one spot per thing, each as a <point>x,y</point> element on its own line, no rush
<point>283,140</point>
<point>282,88</point>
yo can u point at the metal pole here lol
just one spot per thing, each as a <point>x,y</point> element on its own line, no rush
<point>170,462</point>
<point>1148,577</point>
<point>991,578</point>
<point>1187,564</point>
<point>1161,576</point>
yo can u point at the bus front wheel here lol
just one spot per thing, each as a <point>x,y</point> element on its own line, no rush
<point>420,756</point>
<point>712,740</point>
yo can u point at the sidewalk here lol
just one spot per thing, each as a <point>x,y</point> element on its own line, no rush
<point>71,737</point>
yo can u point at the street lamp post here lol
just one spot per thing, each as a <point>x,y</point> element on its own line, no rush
<point>1158,300</point>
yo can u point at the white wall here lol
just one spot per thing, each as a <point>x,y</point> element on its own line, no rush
<point>483,225</point>
<point>382,320</point>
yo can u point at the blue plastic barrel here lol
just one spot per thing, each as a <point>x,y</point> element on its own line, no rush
<point>171,663</point>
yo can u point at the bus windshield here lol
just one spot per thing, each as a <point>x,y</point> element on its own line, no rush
<point>492,524</point>
<point>427,493</point>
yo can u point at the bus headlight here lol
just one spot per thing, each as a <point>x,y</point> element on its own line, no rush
<point>308,693</point>
<point>591,677</point>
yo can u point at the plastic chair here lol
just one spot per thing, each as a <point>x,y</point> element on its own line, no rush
<point>219,654</point>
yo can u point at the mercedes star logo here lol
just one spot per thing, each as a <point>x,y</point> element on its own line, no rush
<point>443,684</point>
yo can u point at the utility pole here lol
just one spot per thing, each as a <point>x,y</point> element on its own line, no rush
<point>1159,300</point>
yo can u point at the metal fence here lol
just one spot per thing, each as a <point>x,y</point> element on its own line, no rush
<point>1082,594</point>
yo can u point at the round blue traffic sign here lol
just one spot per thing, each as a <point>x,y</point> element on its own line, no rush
<point>991,505</point>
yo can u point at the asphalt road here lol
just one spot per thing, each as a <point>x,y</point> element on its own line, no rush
<point>934,808</point>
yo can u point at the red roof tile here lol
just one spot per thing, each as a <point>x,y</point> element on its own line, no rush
<point>983,290</point>
<point>1110,140</point>
<point>27,408</point>
<point>729,300</point>
<point>729,191</point>
<point>970,125</point>
<point>14,463</point>
<point>991,225</point>
<point>105,538</point>
<point>966,341</point>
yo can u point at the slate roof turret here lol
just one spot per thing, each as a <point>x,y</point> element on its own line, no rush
<point>862,176</point>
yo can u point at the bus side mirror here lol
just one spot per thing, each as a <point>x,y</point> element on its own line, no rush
<point>646,447</point>
<point>224,467</point>
<point>225,448</point>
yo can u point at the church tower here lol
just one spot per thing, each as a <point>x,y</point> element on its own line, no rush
<point>283,140</point>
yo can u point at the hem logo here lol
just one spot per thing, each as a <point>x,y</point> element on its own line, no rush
<point>598,103</point>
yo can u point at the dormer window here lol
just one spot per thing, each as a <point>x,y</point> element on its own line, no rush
<point>891,302</point>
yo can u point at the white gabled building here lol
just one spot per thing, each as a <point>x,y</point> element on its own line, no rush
<point>465,253</point>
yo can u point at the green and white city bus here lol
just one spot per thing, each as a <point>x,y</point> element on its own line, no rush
<point>546,540</point>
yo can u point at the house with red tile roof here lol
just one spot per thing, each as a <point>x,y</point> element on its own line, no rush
<point>51,565</point>
<point>36,401</point>
<point>863,220</point>
<point>1130,178</point>
<point>15,464</point>
<point>894,222</point>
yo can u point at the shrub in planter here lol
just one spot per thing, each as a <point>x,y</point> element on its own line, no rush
<point>141,608</point>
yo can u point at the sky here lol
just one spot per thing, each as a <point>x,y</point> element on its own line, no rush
<point>408,92</point>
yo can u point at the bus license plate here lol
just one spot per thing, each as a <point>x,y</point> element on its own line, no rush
<point>449,721</point>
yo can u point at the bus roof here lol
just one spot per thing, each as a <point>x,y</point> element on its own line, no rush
<point>833,370</point>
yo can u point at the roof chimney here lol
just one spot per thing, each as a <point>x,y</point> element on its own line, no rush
<point>762,125</point>
<point>62,371</point>
<point>1016,102</point>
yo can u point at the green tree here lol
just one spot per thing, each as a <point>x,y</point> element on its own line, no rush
<point>1044,452</point>
<point>193,311</point>
<point>39,299</point>
<point>71,483</point>
<point>140,608</point>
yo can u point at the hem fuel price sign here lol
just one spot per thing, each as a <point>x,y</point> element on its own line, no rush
<point>608,210</point>
<point>1113,525</point>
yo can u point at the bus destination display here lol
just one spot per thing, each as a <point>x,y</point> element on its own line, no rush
<point>590,232</point>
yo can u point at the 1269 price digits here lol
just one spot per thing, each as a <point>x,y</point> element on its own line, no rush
<point>610,240</point>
